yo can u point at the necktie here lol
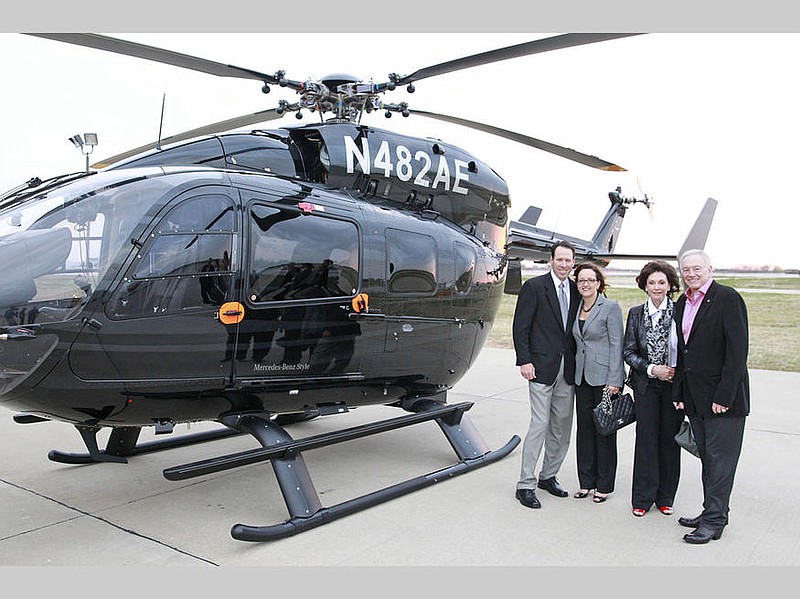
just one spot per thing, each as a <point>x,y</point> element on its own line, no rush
<point>562,299</point>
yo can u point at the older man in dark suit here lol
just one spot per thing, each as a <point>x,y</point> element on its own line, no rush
<point>545,349</point>
<point>711,385</point>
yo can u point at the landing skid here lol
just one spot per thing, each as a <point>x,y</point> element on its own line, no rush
<point>122,444</point>
<point>303,503</point>
<point>285,454</point>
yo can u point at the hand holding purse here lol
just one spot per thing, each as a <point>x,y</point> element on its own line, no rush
<point>613,412</point>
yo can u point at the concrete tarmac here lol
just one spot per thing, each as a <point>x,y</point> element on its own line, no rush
<point>130,515</point>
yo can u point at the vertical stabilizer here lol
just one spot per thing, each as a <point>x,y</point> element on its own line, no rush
<point>696,239</point>
<point>531,215</point>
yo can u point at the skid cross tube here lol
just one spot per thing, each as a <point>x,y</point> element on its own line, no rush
<point>280,448</point>
<point>302,501</point>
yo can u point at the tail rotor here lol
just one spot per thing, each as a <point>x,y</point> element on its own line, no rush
<point>646,200</point>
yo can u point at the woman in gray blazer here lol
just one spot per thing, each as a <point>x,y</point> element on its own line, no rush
<point>598,336</point>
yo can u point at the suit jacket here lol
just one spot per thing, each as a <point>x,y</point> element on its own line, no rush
<point>598,357</point>
<point>712,363</point>
<point>539,336</point>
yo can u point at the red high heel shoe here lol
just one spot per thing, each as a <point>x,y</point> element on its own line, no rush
<point>638,512</point>
<point>666,510</point>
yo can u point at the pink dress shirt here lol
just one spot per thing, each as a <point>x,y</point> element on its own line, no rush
<point>693,303</point>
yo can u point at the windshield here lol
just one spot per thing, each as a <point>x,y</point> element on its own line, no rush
<point>35,185</point>
<point>57,246</point>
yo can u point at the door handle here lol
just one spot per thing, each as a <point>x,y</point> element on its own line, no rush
<point>231,313</point>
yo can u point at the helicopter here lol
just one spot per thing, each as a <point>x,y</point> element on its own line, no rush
<point>263,277</point>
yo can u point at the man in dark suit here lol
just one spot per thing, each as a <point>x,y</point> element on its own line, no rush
<point>545,349</point>
<point>711,385</point>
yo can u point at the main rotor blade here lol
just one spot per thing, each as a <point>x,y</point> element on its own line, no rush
<point>547,44</point>
<point>539,144</point>
<point>110,44</point>
<point>239,121</point>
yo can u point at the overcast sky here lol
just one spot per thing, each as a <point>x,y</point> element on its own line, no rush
<point>689,115</point>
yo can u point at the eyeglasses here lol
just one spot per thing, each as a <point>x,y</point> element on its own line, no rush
<point>586,281</point>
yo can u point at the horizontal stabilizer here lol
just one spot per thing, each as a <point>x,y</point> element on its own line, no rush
<point>528,242</point>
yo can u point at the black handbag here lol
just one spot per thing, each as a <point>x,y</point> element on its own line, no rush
<point>613,412</point>
<point>685,438</point>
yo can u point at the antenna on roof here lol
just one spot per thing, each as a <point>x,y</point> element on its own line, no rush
<point>161,121</point>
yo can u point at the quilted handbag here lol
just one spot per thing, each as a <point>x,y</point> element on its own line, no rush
<point>613,412</point>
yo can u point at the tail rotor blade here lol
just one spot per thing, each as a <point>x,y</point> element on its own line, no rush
<point>646,200</point>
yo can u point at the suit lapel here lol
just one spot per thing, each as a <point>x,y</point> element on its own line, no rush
<point>677,316</point>
<point>552,298</point>
<point>593,314</point>
<point>575,301</point>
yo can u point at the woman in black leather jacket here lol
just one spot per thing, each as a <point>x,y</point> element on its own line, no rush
<point>650,349</point>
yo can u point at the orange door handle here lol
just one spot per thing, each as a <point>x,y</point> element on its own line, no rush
<point>231,313</point>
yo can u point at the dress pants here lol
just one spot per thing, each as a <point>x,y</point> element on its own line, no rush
<point>657,457</point>
<point>596,454</point>
<point>550,426</point>
<point>719,441</point>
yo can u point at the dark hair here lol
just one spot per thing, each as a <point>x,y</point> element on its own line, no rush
<point>663,267</point>
<point>597,271</point>
<point>562,244</point>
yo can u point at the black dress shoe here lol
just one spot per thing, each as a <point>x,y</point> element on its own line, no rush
<point>689,522</point>
<point>703,535</point>
<point>551,486</point>
<point>527,497</point>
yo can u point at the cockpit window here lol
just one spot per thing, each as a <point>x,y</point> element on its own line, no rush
<point>59,245</point>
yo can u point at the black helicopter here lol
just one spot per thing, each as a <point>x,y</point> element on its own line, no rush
<point>259,278</point>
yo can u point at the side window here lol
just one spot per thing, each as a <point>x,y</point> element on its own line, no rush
<point>185,254</point>
<point>299,256</point>
<point>207,152</point>
<point>411,262</point>
<point>464,260</point>
<point>185,265</point>
<point>259,153</point>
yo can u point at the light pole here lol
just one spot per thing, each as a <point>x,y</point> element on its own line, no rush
<point>89,140</point>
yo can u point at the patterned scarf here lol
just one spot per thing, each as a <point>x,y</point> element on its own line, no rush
<point>658,336</point>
